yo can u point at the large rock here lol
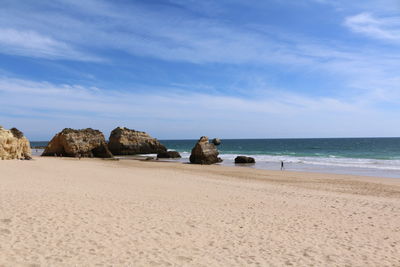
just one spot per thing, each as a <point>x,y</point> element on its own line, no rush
<point>169,155</point>
<point>14,145</point>
<point>244,159</point>
<point>78,143</point>
<point>124,141</point>
<point>204,152</point>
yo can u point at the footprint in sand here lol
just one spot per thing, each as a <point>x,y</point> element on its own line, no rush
<point>185,259</point>
<point>6,221</point>
<point>5,231</point>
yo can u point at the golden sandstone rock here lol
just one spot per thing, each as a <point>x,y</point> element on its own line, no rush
<point>78,143</point>
<point>124,141</point>
<point>14,145</point>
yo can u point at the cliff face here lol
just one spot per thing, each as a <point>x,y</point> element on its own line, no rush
<point>78,143</point>
<point>124,141</point>
<point>14,145</point>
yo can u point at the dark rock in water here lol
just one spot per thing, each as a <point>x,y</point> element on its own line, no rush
<point>244,159</point>
<point>169,155</point>
<point>124,141</point>
<point>78,143</point>
<point>204,152</point>
<point>216,141</point>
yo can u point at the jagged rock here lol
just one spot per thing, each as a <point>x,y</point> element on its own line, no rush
<point>124,141</point>
<point>169,155</point>
<point>204,152</point>
<point>13,145</point>
<point>216,141</point>
<point>78,143</point>
<point>244,159</point>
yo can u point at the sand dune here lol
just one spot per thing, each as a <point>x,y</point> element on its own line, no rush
<point>56,212</point>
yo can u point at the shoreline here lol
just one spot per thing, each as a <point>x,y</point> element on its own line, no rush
<point>66,211</point>
<point>290,165</point>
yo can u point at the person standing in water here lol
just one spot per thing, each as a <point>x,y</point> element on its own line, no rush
<point>282,167</point>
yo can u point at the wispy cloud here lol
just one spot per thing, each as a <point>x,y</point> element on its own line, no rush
<point>55,106</point>
<point>172,35</point>
<point>32,44</point>
<point>385,28</point>
<point>361,77</point>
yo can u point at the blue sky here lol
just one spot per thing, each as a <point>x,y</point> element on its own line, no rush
<point>182,69</point>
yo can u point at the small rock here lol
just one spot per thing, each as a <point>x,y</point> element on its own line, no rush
<point>169,155</point>
<point>244,159</point>
<point>216,141</point>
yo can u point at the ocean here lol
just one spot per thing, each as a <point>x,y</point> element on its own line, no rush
<point>358,156</point>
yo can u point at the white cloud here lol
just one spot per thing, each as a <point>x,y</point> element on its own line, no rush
<point>33,44</point>
<point>386,28</point>
<point>366,76</point>
<point>172,34</point>
<point>171,114</point>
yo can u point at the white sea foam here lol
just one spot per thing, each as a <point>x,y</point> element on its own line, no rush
<point>326,161</point>
<point>330,161</point>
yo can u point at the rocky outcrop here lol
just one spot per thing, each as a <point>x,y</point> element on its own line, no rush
<point>204,152</point>
<point>78,143</point>
<point>244,159</point>
<point>124,141</point>
<point>14,145</point>
<point>216,141</point>
<point>169,155</point>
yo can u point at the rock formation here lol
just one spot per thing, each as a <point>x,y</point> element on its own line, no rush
<point>124,141</point>
<point>244,159</point>
<point>78,143</point>
<point>169,155</point>
<point>204,152</point>
<point>13,145</point>
<point>216,141</point>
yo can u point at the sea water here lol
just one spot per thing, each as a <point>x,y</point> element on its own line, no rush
<point>359,156</point>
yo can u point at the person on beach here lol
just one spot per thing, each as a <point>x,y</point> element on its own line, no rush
<point>282,166</point>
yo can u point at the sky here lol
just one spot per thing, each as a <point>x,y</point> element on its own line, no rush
<point>180,69</point>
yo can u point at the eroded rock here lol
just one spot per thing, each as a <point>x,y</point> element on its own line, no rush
<point>124,141</point>
<point>78,143</point>
<point>204,152</point>
<point>14,145</point>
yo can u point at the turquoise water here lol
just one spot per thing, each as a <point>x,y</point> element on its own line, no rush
<point>364,148</point>
<point>363,156</point>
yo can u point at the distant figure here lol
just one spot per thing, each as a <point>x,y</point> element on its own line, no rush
<point>282,166</point>
<point>79,156</point>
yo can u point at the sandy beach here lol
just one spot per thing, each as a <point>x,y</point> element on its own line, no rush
<point>64,212</point>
